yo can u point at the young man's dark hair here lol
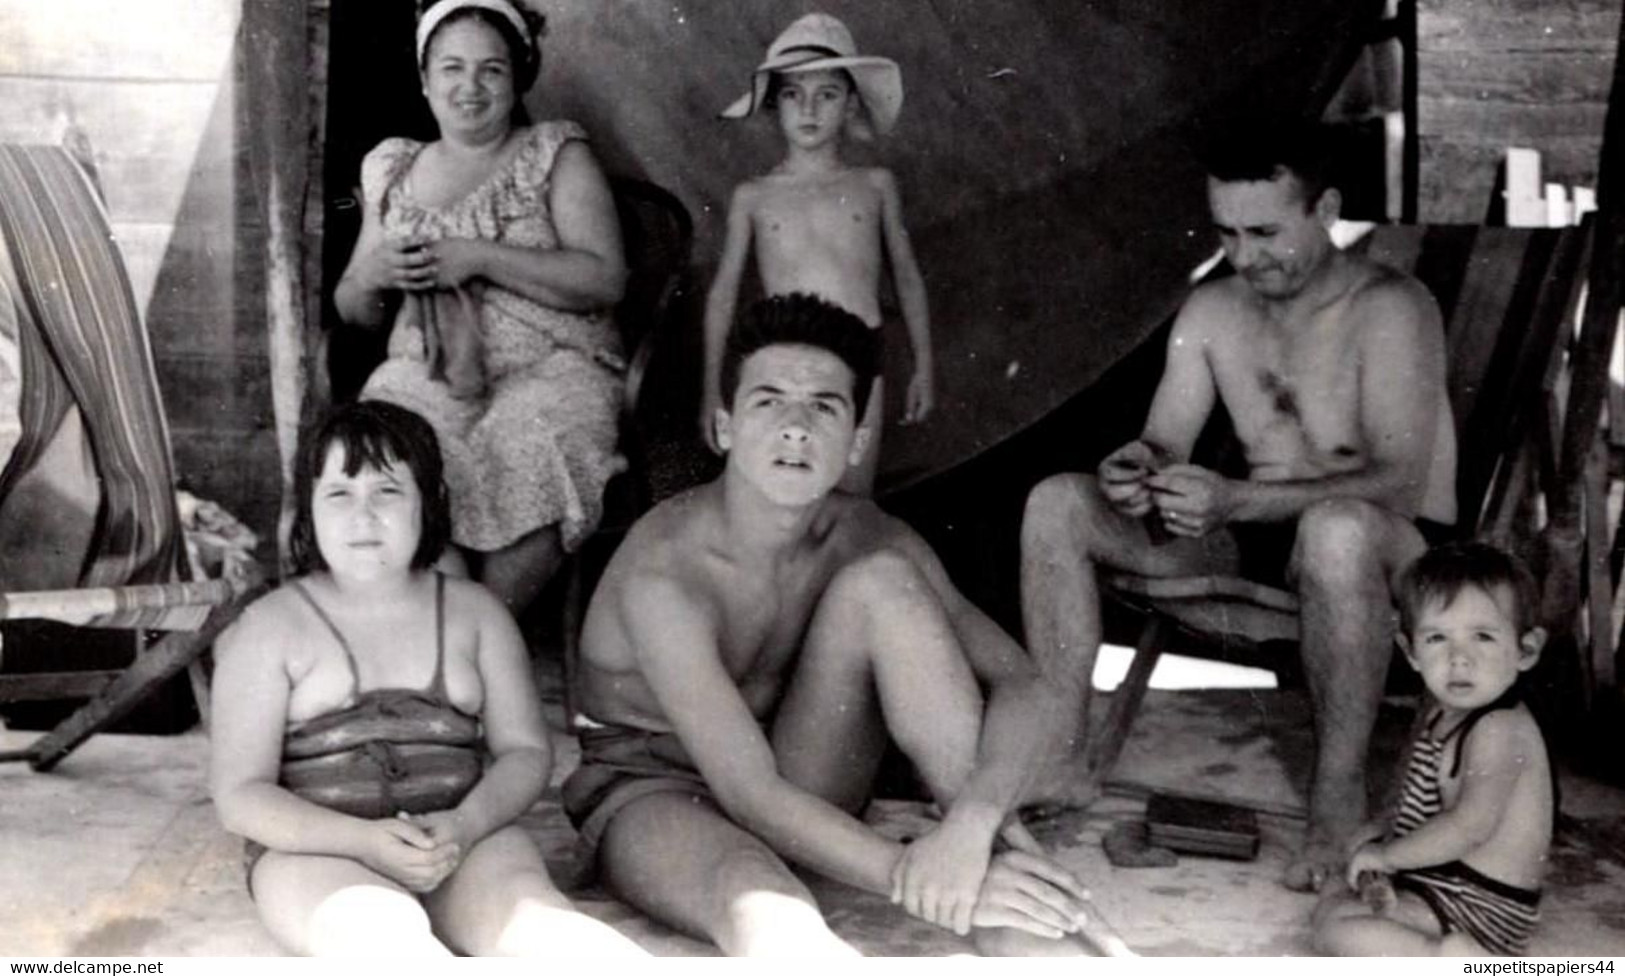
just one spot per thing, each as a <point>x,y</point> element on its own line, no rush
<point>800,319</point>
<point>1440,574</point>
<point>1258,149</point>
<point>375,434</point>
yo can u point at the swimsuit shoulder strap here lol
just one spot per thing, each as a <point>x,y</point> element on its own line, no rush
<point>1509,699</point>
<point>338,635</point>
<point>1433,723</point>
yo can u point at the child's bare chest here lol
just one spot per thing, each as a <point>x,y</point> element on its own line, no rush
<point>840,215</point>
<point>387,646</point>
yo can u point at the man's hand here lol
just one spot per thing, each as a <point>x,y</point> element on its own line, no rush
<point>1193,500</point>
<point>1123,475</point>
<point>1032,893</point>
<point>939,877</point>
<point>1016,834</point>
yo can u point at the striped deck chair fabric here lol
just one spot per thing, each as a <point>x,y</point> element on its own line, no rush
<point>81,340</point>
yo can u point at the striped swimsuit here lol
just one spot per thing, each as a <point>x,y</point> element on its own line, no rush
<point>1499,916</point>
<point>391,751</point>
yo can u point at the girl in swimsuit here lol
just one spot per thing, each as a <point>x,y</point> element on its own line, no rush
<point>375,728</point>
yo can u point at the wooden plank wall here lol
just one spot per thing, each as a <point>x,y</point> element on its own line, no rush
<point>151,85</point>
<point>1495,73</point>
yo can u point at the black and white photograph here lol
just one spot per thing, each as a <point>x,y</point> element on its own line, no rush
<point>812,478</point>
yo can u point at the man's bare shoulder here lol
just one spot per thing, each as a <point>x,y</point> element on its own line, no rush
<point>670,536</point>
<point>661,567</point>
<point>1379,288</point>
<point>1213,305</point>
<point>859,527</point>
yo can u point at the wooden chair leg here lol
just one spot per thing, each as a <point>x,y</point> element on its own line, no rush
<point>1126,700</point>
<point>198,675</point>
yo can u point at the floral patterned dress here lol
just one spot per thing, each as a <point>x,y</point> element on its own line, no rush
<point>538,447</point>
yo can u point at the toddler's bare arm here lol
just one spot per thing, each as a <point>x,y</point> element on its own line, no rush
<point>1494,755</point>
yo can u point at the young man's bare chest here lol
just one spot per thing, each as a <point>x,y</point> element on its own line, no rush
<point>766,611</point>
<point>765,615</point>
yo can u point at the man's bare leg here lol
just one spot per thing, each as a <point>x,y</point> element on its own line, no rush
<point>881,657</point>
<point>1068,530</point>
<point>676,858</point>
<point>1348,555</point>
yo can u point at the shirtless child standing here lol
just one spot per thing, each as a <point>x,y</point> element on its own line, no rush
<point>1332,369</point>
<point>754,643</point>
<point>819,225</point>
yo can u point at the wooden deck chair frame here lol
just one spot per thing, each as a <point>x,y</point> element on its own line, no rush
<point>1505,295</point>
<point>71,284</point>
<point>115,693</point>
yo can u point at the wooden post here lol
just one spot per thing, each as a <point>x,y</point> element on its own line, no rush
<point>278,71</point>
<point>1411,153</point>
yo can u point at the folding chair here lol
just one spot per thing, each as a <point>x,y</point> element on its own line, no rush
<point>1505,295</point>
<point>82,344</point>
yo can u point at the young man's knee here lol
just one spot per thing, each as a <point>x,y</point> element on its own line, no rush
<point>877,579</point>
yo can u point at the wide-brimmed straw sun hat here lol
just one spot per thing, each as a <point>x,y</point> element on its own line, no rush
<point>817,42</point>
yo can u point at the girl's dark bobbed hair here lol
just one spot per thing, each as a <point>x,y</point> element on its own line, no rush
<point>374,434</point>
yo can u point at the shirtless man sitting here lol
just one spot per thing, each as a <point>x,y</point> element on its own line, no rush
<point>750,648</point>
<point>1332,368</point>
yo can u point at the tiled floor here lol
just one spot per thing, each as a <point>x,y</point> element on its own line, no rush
<point>117,852</point>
